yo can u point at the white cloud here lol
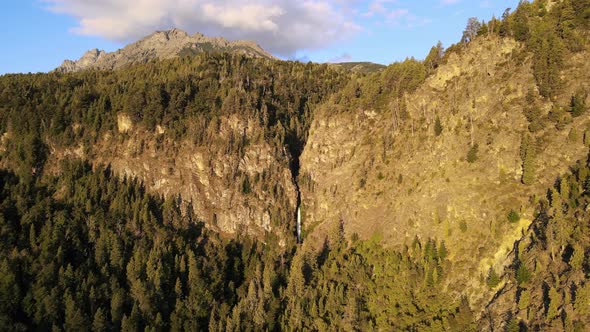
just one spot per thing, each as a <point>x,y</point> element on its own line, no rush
<point>378,8</point>
<point>388,13</point>
<point>397,14</point>
<point>281,26</point>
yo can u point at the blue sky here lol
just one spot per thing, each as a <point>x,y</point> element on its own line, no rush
<point>39,34</point>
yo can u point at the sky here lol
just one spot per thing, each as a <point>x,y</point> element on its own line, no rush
<point>37,35</point>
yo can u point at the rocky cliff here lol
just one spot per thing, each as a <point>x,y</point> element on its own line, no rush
<point>384,169</point>
<point>446,150</point>
<point>221,132</point>
<point>236,192</point>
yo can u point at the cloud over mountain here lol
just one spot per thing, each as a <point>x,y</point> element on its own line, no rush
<point>281,26</point>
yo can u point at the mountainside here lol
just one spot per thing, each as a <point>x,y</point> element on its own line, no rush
<point>546,285</point>
<point>361,67</point>
<point>404,179</point>
<point>162,45</point>
<point>445,194</point>
<point>222,131</point>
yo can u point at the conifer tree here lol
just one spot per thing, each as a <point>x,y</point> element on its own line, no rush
<point>528,164</point>
<point>438,128</point>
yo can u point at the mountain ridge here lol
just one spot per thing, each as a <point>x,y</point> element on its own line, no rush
<point>161,45</point>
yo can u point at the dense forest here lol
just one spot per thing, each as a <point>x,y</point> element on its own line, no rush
<point>186,99</point>
<point>84,248</point>
<point>89,249</point>
<point>185,95</point>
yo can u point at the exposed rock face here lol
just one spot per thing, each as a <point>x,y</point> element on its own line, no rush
<point>360,168</point>
<point>161,45</point>
<point>205,176</point>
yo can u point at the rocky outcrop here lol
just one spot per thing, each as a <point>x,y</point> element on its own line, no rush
<point>363,169</point>
<point>234,192</point>
<point>161,45</point>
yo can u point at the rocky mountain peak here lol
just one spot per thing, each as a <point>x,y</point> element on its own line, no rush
<point>162,45</point>
<point>173,34</point>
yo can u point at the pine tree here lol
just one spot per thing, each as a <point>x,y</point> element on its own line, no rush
<point>99,324</point>
<point>548,53</point>
<point>438,128</point>
<point>493,279</point>
<point>75,319</point>
<point>524,300</point>
<point>577,259</point>
<point>523,274</point>
<point>554,303</point>
<point>577,106</point>
<point>513,325</point>
<point>528,165</point>
<point>472,154</point>
<point>442,251</point>
<point>434,57</point>
<point>520,25</point>
<point>582,302</point>
<point>471,30</point>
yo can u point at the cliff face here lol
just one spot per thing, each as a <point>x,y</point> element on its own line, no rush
<point>444,149</point>
<point>246,191</point>
<point>161,45</point>
<point>385,170</point>
<point>221,132</point>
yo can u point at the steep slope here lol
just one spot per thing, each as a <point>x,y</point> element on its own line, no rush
<point>161,45</point>
<point>445,157</point>
<point>546,286</point>
<point>424,174</point>
<point>222,132</point>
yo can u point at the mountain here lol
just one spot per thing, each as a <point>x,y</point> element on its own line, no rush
<point>361,67</point>
<point>222,192</point>
<point>161,45</point>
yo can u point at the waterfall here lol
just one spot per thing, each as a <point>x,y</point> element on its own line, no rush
<point>299,224</point>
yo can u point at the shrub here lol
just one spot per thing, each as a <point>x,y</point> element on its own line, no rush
<point>472,154</point>
<point>493,279</point>
<point>463,226</point>
<point>438,128</point>
<point>246,188</point>
<point>577,106</point>
<point>513,216</point>
<point>523,275</point>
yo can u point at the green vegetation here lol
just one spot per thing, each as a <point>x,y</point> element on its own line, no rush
<point>187,96</point>
<point>189,101</point>
<point>438,128</point>
<point>549,35</point>
<point>523,275</point>
<point>528,155</point>
<point>83,248</point>
<point>463,226</point>
<point>361,286</point>
<point>472,154</point>
<point>86,249</point>
<point>361,67</point>
<point>577,105</point>
<point>513,216</point>
<point>434,57</point>
<point>492,279</point>
<point>552,265</point>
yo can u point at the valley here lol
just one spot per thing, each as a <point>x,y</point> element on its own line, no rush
<point>177,184</point>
